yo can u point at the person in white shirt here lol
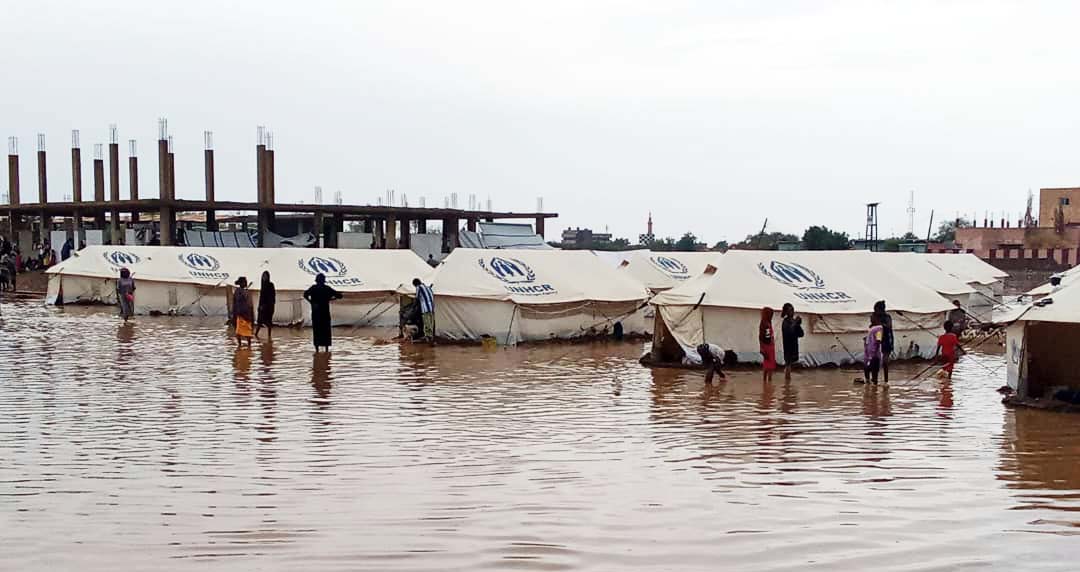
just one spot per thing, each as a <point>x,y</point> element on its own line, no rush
<point>712,356</point>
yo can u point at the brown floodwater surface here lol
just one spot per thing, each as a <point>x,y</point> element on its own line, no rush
<point>158,446</point>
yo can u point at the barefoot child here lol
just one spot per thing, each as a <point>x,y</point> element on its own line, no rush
<point>947,344</point>
<point>872,349</point>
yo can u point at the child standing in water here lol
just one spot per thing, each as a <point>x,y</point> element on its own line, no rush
<point>872,349</point>
<point>947,345</point>
<point>768,344</point>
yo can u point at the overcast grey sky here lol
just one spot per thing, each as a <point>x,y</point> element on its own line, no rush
<point>712,115</point>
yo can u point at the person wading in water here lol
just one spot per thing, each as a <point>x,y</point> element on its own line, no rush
<point>319,296</point>
<point>125,294</point>
<point>790,332</point>
<point>768,345</point>
<point>713,357</point>
<point>243,312</point>
<point>885,320</point>
<point>267,301</point>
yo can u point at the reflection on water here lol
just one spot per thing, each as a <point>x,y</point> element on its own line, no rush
<point>159,445</point>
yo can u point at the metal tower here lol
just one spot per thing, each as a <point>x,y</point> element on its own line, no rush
<point>871,226</point>
<point>911,213</point>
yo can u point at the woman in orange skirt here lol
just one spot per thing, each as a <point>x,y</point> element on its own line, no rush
<point>243,312</point>
<point>768,345</point>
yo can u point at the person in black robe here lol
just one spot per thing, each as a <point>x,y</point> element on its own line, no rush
<point>267,301</point>
<point>319,296</point>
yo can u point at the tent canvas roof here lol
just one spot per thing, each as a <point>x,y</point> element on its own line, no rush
<point>662,270</point>
<point>922,269</point>
<point>834,282</point>
<point>533,277</point>
<point>290,269</point>
<point>1064,309</point>
<point>967,267</point>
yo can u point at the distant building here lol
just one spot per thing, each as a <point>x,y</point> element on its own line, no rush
<point>1067,198</point>
<point>584,238</point>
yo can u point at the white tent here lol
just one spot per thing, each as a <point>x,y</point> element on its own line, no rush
<point>1067,278</point>
<point>198,281</point>
<point>1038,341</point>
<point>659,271</point>
<point>987,280</point>
<point>532,295</point>
<point>833,291</point>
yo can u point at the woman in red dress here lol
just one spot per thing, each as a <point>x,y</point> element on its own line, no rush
<point>768,344</point>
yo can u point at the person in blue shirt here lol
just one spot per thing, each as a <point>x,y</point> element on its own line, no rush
<point>426,300</point>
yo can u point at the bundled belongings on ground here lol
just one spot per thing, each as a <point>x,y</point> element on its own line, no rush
<point>1041,363</point>
<point>199,281</point>
<point>834,293</point>
<point>532,295</point>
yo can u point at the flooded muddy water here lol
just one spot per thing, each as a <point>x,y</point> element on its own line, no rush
<point>159,446</point>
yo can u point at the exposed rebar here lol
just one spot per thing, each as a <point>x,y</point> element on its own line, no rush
<point>133,150</point>
<point>99,152</point>
<point>74,138</point>
<point>114,136</point>
<point>208,140</point>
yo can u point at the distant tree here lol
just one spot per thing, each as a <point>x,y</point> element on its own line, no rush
<point>663,244</point>
<point>908,237</point>
<point>768,241</point>
<point>821,238</point>
<point>688,243</point>
<point>721,246</point>
<point>947,229</point>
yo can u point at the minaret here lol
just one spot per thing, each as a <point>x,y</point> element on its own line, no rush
<point>649,232</point>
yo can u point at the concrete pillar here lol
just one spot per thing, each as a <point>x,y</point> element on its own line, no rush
<point>114,189</point>
<point>470,223</point>
<point>338,228</point>
<point>163,170</point>
<point>208,172</point>
<point>42,178</point>
<point>319,230</point>
<point>99,186</point>
<point>379,236</point>
<point>367,226</point>
<point>391,233</point>
<point>421,226</point>
<point>260,172</point>
<point>268,164</point>
<point>167,226</point>
<point>450,234</point>
<point>406,234</point>
<point>13,178</point>
<point>540,226</point>
<point>76,170</point>
<point>133,178</point>
<point>43,190</point>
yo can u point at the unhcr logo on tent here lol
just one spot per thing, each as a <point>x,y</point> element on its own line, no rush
<point>121,258</point>
<point>671,267</point>
<point>516,276</point>
<point>202,266</point>
<point>802,278</point>
<point>337,274</point>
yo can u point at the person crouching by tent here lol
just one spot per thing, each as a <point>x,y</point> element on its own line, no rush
<point>319,296</point>
<point>873,349</point>
<point>267,301</point>
<point>947,345</point>
<point>887,339</point>
<point>714,358</point>
<point>426,299</point>
<point>790,332</point>
<point>768,344</point>
<point>243,312</point>
<point>125,294</point>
